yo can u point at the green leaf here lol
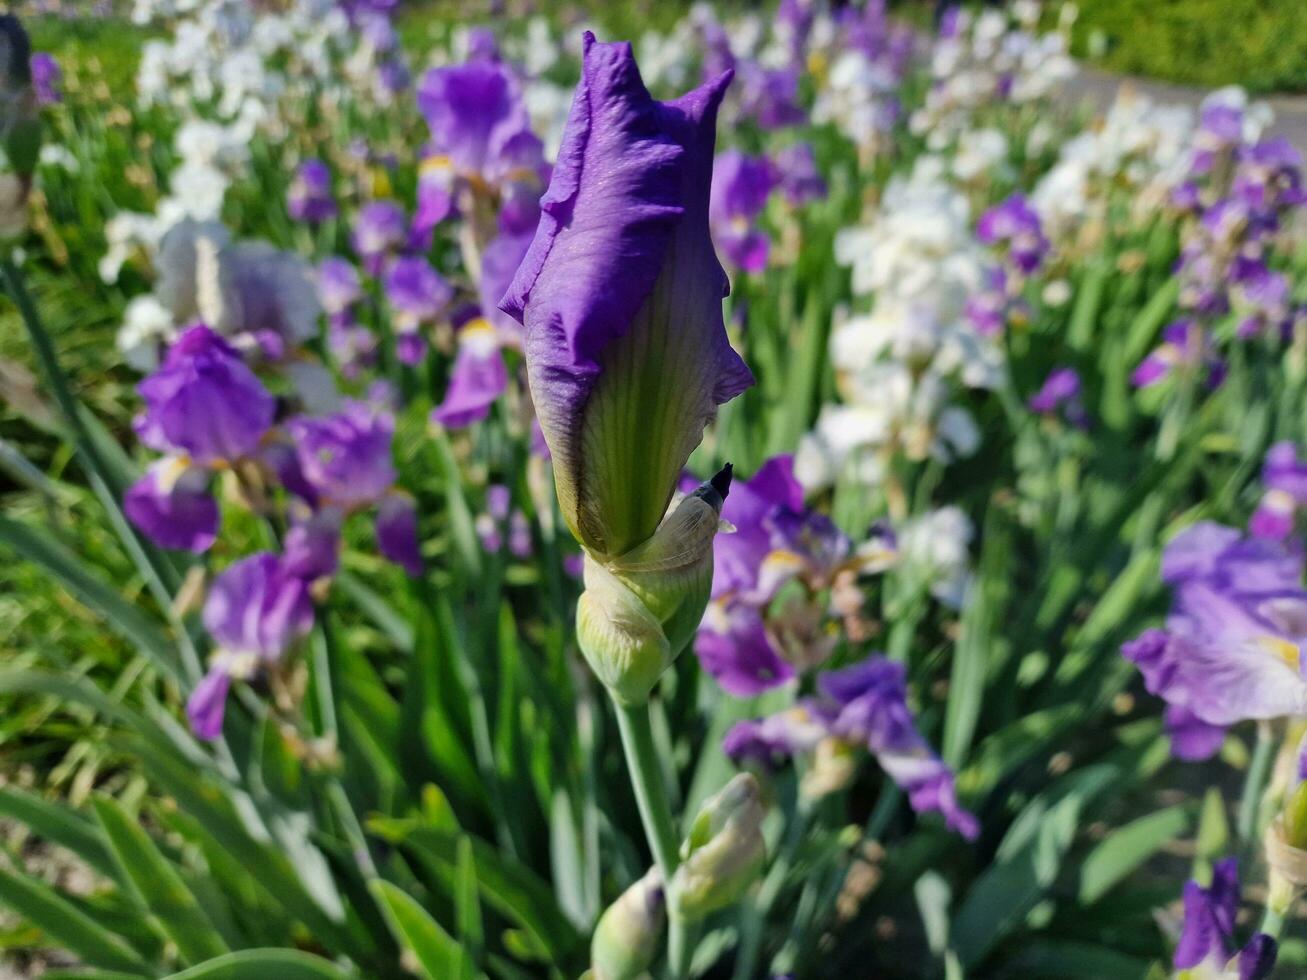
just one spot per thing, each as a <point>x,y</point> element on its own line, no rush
<point>510,888</point>
<point>66,924</point>
<point>1124,850</point>
<point>466,903</point>
<point>438,954</point>
<point>158,885</point>
<point>59,825</point>
<point>265,964</point>
<point>87,587</point>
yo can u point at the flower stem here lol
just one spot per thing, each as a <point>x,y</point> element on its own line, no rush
<point>656,815</point>
<point>1255,783</point>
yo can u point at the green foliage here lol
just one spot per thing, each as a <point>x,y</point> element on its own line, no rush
<point>1259,44</point>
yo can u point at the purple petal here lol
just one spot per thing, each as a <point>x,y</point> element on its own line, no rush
<point>207,704</point>
<point>397,533</point>
<point>734,648</point>
<point>182,515</point>
<point>478,378</point>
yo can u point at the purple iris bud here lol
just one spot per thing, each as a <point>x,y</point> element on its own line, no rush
<point>311,549</point>
<point>46,77</point>
<point>172,506</point>
<point>872,707</point>
<point>1061,386</point>
<point>741,185</point>
<point>204,402</point>
<point>309,197</point>
<point>734,648</point>
<point>1016,224</point>
<point>1192,739</point>
<point>380,227</point>
<point>417,291</point>
<point>256,609</point>
<point>477,379</point>
<point>346,457</point>
<point>620,291</point>
<point>339,287</point>
<point>800,179</point>
<point>397,533</point>
<point>477,117</point>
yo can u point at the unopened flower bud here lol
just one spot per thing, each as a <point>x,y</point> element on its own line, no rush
<point>640,609</point>
<point>724,852</point>
<point>626,940</point>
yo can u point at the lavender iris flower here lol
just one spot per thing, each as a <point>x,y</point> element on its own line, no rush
<point>741,185</point>
<point>256,610</point>
<point>1209,928</point>
<point>339,287</point>
<point>204,402</point>
<point>311,549</point>
<point>346,457</point>
<point>309,197</point>
<point>738,558</point>
<point>1233,645</point>
<point>770,96</point>
<point>1061,392</point>
<point>1285,477</point>
<point>477,379</point>
<point>620,296</point>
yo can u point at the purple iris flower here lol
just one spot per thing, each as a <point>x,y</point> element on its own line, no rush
<point>1186,346</point>
<point>741,185</point>
<point>1209,928</point>
<point>379,228</point>
<point>311,549</point>
<point>864,704</point>
<point>477,118</point>
<point>309,197</point>
<point>619,291</point>
<point>872,707</point>
<point>1061,391</point>
<point>770,96</point>
<point>339,286</point>
<point>204,402</point>
<point>733,646</point>
<point>397,532</point>
<point>738,558</point>
<point>477,379</point>
<point>256,610</point>
<point>346,457</point>
<point>46,76</point>
<point>416,291</point>
<point>800,179</point>
<point>1015,224</point>
<point>172,506</point>
<point>1285,477</point>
